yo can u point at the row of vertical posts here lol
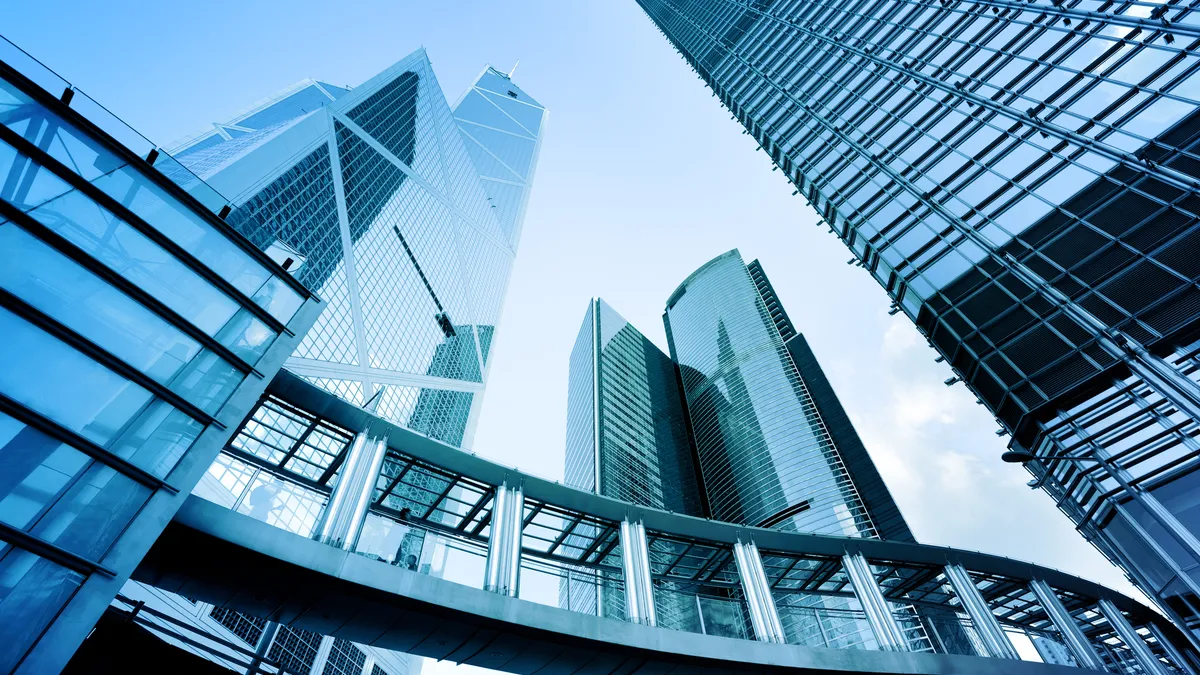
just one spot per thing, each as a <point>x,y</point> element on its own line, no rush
<point>343,519</point>
<point>764,615</point>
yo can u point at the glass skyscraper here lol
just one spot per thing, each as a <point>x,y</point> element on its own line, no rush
<point>1022,179</point>
<point>400,211</point>
<point>765,455</point>
<point>627,436</point>
<point>726,427</point>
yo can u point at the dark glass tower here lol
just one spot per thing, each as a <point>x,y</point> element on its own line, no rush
<point>1022,179</point>
<point>627,437</point>
<point>766,455</point>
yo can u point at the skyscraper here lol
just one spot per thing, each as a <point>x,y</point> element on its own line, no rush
<point>765,454</point>
<point>627,436</point>
<point>403,213</point>
<point>726,427</point>
<point>1022,180</point>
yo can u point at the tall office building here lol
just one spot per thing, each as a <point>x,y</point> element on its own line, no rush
<point>726,427</point>
<point>627,436</point>
<point>1022,179</point>
<point>765,453</point>
<point>404,213</point>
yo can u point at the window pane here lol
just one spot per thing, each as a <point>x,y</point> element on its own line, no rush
<point>80,300</point>
<point>132,189</point>
<point>128,252</point>
<point>35,470</point>
<point>32,591</point>
<point>52,378</point>
<point>158,438</point>
<point>93,512</point>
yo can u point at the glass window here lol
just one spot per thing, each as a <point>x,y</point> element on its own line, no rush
<point>52,378</point>
<point>76,151</point>
<point>93,512</point>
<point>32,592</point>
<point>128,252</point>
<point>25,184</point>
<point>246,336</point>
<point>132,189</point>
<point>158,439</point>
<point>35,469</point>
<point>1181,496</point>
<point>80,300</point>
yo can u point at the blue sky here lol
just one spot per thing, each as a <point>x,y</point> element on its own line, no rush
<point>643,177</point>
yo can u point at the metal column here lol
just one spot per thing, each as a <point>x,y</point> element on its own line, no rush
<point>764,616</point>
<point>995,641</point>
<point>875,606</point>
<point>1172,650</point>
<point>1076,641</point>
<point>347,509</point>
<point>635,566</point>
<point>503,572</point>
<point>1141,651</point>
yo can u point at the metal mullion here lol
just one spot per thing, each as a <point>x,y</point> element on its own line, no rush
<point>32,418</point>
<point>104,200</point>
<point>1120,157</point>
<point>566,532</point>
<point>61,244</point>
<point>438,500</point>
<point>299,440</point>
<point>52,552</point>
<point>103,357</point>
<point>475,509</point>
<point>72,117</point>
<point>533,514</point>
<point>393,483</point>
<point>274,470</point>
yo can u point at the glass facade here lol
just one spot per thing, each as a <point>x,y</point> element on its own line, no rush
<point>1021,178</point>
<point>400,211</point>
<point>765,454</point>
<point>136,324</point>
<point>628,385</point>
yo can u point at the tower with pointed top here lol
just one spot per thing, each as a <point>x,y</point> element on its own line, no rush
<point>403,212</point>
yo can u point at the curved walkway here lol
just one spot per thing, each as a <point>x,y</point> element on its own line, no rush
<point>219,556</point>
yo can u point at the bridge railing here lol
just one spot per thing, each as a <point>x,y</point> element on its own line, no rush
<point>380,494</point>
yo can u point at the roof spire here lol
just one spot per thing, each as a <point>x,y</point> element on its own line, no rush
<point>514,69</point>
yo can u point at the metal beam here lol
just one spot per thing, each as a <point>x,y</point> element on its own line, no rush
<point>1071,634</point>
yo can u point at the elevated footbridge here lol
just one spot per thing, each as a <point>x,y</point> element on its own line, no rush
<point>322,516</point>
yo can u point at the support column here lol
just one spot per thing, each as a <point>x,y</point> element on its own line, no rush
<point>1076,641</point>
<point>347,509</point>
<point>764,615</point>
<point>995,641</point>
<point>875,606</point>
<point>1181,660</point>
<point>503,571</point>
<point>635,566</point>
<point>1141,651</point>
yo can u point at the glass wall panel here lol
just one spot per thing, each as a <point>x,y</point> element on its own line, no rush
<point>32,592</point>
